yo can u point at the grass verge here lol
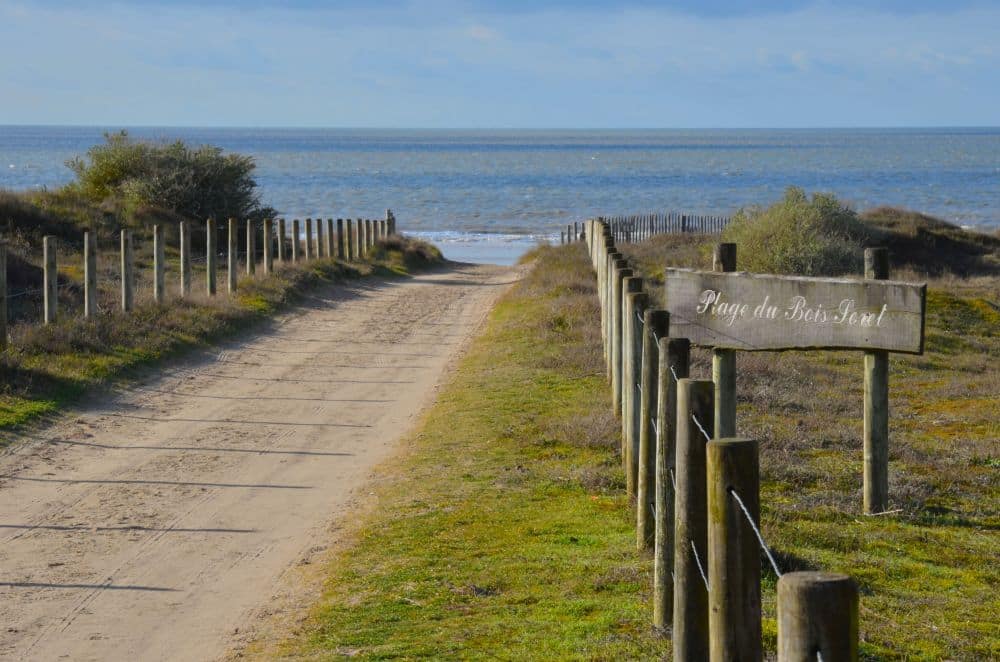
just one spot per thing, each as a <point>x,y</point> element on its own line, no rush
<point>48,367</point>
<point>505,533</point>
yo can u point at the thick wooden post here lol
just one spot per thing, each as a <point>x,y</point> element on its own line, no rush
<point>733,551</point>
<point>50,280</point>
<point>369,237</point>
<point>309,240</point>
<point>185,259</point>
<point>392,221</point>
<point>3,294</point>
<point>127,271</point>
<point>621,276</point>
<point>295,240</point>
<point>635,302</point>
<point>695,401</point>
<point>673,356</point>
<point>268,246</point>
<point>331,240</point>
<point>876,416</point>
<point>159,265</point>
<point>232,253</point>
<point>251,248</point>
<point>656,325</point>
<point>210,257</point>
<point>724,360</point>
<point>89,274</point>
<point>817,617</point>
<point>615,264</point>
<point>340,239</point>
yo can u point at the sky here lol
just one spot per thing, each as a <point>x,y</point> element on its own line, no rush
<point>500,64</point>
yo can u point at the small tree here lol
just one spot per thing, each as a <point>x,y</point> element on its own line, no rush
<point>196,182</point>
<point>817,236</point>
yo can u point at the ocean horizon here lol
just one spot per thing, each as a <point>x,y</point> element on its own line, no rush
<point>490,194</point>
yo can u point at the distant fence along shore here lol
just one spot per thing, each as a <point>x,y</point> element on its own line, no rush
<point>642,226</point>
<point>345,239</point>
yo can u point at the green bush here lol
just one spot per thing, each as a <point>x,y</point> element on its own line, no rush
<point>196,182</point>
<point>809,236</point>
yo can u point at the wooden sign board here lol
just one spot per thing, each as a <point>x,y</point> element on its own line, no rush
<point>757,312</point>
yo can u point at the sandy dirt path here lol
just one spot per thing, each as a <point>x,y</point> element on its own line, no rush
<point>157,524</point>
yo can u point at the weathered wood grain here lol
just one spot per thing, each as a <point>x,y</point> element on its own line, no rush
<point>758,312</point>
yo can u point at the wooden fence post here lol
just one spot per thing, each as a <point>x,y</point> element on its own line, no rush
<point>308,252</point>
<point>724,360</point>
<point>656,325</point>
<point>50,280</point>
<point>268,246</point>
<point>210,257</point>
<point>369,236</point>
<point>320,243</point>
<point>127,271</point>
<point>159,265</point>
<point>695,401</point>
<point>622,275</point>
<point>876,408</point>
<point>185,237</point>
<point>89,274</point>
<point>295,241</point>
<point>281,241</point>
<point>817,617</point>
<point>3,294</point>
<point>635,302</point>
<point>331,240</point>
<point>251,248</point>
<point>340,239</point>
<point>352,241</point>
<point>733,551</point>
<point>616,262</point>
<point>673,359</point>
<point>232,255</point>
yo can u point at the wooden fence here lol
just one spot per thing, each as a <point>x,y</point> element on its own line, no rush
<point>345,239</point>
<point>625,229</point>
<point>695,484</point>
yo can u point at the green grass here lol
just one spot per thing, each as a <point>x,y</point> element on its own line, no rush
<point>929,574</point>
<point>505,533</point>
<point>49,367</point>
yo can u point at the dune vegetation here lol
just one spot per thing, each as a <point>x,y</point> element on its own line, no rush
<point>505,531</point>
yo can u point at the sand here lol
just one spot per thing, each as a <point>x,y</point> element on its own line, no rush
<point>158,523</point>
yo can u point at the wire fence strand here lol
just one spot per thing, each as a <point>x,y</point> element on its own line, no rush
<point>697,560</point>
<point>760,538</point>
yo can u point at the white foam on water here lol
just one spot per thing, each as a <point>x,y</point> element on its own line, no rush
<point>483,247</point>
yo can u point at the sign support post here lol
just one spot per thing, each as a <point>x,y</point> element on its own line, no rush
<point>876,436</point>
<point>724,360</point>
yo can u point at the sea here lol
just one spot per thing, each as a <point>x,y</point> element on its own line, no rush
<point>490,195</point>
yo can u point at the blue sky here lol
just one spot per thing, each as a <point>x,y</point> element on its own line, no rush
<point>495,63</point>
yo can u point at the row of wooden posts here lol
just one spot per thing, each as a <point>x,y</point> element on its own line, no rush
<point>642,226</point>
<point>695,487</point>
<point>345,239</point>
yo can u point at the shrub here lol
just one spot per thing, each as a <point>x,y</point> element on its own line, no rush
<point>196,182</point>
<point>810,236</point>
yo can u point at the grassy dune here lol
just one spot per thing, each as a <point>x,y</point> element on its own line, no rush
<point>505,533</point>
<point>48,367</point>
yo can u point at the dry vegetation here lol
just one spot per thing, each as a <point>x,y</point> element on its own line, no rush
<point>46,367</point>
<point>929,571</point>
